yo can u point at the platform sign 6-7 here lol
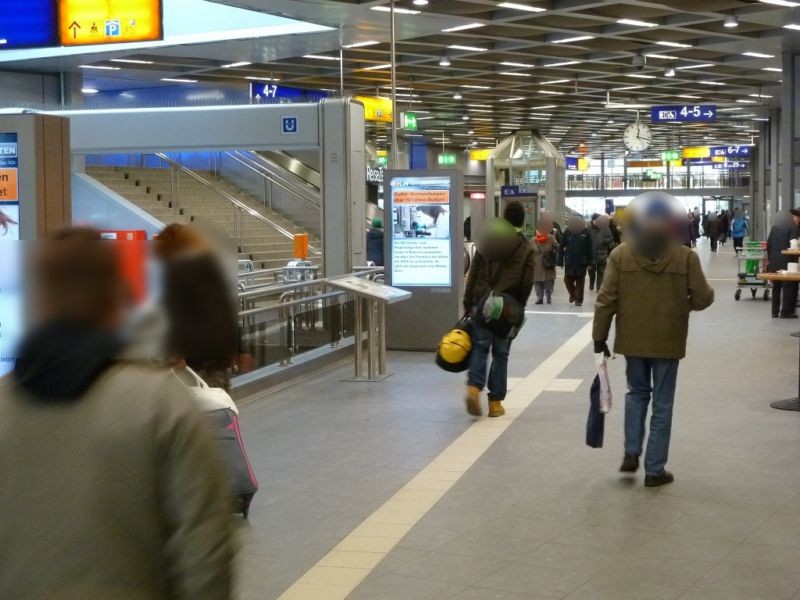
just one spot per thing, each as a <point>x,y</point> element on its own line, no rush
<point>682,113</point>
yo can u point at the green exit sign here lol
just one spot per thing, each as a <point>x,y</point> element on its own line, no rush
<point>669,155</point>
<point>447,159</point>
<point>382,160</point>
<point>409,121</point>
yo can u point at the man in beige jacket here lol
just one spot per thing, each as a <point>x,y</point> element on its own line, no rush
<point>110,484</point>
<point>652,283</point>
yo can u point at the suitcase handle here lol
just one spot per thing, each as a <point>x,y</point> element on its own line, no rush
<point>197,379</point>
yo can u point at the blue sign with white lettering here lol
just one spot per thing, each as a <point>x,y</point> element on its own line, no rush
<point>9,151</point>
<point>730,166</point>
<point>684,113</point>
<point>732,151</point>
<point>289,125</point>
<point>517,191</point>
<point>28,23</point>
<point>271,93</point>
<point>571,163</point>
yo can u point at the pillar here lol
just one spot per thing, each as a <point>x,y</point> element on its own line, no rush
<point>789,145</point>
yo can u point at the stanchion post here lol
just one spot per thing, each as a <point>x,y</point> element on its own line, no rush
<point>382,339</point>
<point>358,336</point>
<point>371,358</point>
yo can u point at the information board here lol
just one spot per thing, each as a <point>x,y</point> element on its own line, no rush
<point>419,208</point>
<point>684,113</point>
<point>273,93</point>
<point>85,22</point>
<point>731,151</point>
<point>9,187</point>
<point>370,289</point>
<point>11,302</point>
<point>28,24</point>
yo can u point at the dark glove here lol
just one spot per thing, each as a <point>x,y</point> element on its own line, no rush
<point>602,347</point>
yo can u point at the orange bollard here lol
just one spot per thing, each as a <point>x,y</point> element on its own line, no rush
<point>301,246</point>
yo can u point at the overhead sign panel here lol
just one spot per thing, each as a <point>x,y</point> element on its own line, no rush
<point>684,113</point>
<point>28,24</point>
<point>696,152</point>
<point>480,154</point>
<point>270,93</point>
<point>376,108</point>
<point>87,22</point>
<point>732,151</point>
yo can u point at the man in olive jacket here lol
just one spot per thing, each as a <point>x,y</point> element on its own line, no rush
<point>651,285</point>
<point>503,263</point>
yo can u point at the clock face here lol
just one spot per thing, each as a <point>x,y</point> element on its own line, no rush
<point>637,137</point>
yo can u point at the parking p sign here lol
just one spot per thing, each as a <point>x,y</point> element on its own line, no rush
<point>289,126</point>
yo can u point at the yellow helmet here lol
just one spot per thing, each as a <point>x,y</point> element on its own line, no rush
<point>454,351</point>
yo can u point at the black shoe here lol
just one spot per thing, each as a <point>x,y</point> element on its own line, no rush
<point>630,464</point>
<point>539,301</point>
<point>549,300</point>
<point>775,315</point>
<point>791,316</point>
<point>579,304</point>
<point>658,480</point>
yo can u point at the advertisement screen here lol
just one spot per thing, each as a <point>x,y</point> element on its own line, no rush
<point>85,22</point>
<point>9,187</point>
<point>28,24</point>
<point>420,214</point>
<point>11,303</point>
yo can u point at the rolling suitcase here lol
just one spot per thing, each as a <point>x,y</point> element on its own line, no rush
<point>244,484</point>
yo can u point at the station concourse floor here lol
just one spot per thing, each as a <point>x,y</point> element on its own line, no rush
<point>390,491</point>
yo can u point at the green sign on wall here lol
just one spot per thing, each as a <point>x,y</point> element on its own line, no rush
<point>447,159</point>
<point>409,121</point>
<point>669,155</point>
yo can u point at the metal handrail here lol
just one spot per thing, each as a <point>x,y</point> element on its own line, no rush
<point>233,200</point>
<point>271,290</point>
<point>270,176</point>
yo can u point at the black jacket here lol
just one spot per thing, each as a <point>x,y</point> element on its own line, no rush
<point>778,240</point>
<point>575,253</point>
<point>511,272</point>
<point>375,246</point>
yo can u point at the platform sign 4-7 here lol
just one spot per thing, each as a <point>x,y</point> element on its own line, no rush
<point>682,113</point>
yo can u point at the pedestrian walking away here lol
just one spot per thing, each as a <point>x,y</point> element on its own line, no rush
<point>652,284</point>
<point>575,255</point>
<point>545,255</point>
<point>739,229</point>
<point>602,245</point>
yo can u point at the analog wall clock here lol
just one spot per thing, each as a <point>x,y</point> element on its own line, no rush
<point>637,137</point>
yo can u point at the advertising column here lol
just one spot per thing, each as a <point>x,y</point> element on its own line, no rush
<point>10,294</point>
<point>424,254</point>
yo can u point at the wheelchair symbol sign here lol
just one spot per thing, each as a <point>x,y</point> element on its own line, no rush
<point>289,126</point>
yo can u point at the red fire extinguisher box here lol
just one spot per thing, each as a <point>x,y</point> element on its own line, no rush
<point>132,252</point>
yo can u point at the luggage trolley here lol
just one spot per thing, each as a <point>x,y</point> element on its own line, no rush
<point>752,261</point>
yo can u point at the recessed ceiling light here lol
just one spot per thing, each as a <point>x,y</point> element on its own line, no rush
<point>730,22</point>
<point>664,56</point>
<point>517,64</point>
<point>627,87</point>
<point>464,27</point>
<point>362,44</point>
<point>132,61</point>
<point>457,96</point>
<point>760,96</point>
<point>100,67</point>
<point>476,87</point>
<point>88,90</point>
<point>467,48</point>
<point>545,106</point>
<point>321,57</point>
<point>704,82</point>
<point>760,118</point>
<point>480,110</point>
<point>570,40</point>
<point>517,6</point>
<point>793,26</point>
<point>480,105</point>
<point>513,99</point>
<point>636,23</point>
<point>551,92</point>
<point>773,69</point>
<point>669,72</point>
<point>513,74</point>
<point>639,76</point>
<point>758,55</point>
<point>688,96</point>
<point>554,82</point>
<point>420,3</point>
<point>563,63</point>
<point>236,64</point>
<point>780,3</point>
<point>178,80</point>
<point>398,10</point>
<point>673,44</point>
<point>687,67</point>
<point>729,109</point>
<point>444,61</point>
<point>252,78</point>
<point>378,67</point>
<point>745,101</point>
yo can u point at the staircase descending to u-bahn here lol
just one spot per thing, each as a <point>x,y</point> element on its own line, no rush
<point>265,240</point>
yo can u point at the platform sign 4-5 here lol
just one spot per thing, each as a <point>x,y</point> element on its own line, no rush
<point>682,113</point>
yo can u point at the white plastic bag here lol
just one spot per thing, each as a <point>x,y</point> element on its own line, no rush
<point>208,398</point>
<point>605,383</point>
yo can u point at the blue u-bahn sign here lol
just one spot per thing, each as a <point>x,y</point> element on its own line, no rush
<point>684,113</point>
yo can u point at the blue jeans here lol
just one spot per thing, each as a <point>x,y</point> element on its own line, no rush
<point>648,377</point>
<point>482,341</point>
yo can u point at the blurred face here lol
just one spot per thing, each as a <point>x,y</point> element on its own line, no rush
<point>423,219</point>
<point>602,222</point>
<point>545,225</point>
<point>576,225</point>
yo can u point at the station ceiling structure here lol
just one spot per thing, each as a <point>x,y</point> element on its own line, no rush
<point>475,70</point>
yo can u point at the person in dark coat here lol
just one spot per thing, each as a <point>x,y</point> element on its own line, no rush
<point>503,263</point>
<point>375,243</point>
<point>203,320</point>
<point>575,255</point>
<point>784,293</point>
<point>602,245</point>
<point>725,226</point>
<point>713,230</point>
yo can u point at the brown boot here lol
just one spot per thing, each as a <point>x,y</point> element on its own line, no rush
<point>473,400</point>
<point>496,408</point>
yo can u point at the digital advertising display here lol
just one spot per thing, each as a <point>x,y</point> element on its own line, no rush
<point>86,22</point>
<point>421,249</point>
<point>9,187</point>
<point>28,24</point>
<point>11,302</point>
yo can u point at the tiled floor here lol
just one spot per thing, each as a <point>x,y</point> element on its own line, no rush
<point>524,510</point>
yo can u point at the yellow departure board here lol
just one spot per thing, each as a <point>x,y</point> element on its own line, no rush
<point>86,22</point>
